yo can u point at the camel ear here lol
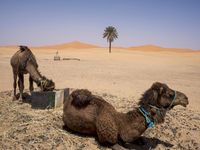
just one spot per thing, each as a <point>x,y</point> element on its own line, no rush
<point>158,87</point>
<point>155,95</point>
<point>151,97</point>
<point>161,90</point>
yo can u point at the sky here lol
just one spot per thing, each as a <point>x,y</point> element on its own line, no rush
<point>167,23</point>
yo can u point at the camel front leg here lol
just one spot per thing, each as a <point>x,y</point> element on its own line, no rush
<point>14,85</point>
<point>21,86</point>
<point>107,130</point>
<point>30,84</point>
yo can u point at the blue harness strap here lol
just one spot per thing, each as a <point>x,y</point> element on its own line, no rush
<point>149,122</point>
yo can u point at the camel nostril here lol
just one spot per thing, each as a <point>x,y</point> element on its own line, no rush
<point>187,102</point>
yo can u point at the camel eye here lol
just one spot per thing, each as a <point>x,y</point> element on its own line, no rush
<point>166,96</point>
<point>169,94</point>
<point>172,95</point>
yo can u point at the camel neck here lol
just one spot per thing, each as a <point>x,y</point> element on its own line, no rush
<point>155,114</point>
<point>141,119</point>
<point>134,119</point>
<point>34,73</point>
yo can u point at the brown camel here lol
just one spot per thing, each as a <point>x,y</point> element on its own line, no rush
<point>90,114</point>
<point>23,62</point>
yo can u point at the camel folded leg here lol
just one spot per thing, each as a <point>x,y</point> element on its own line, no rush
<point>106,128</point>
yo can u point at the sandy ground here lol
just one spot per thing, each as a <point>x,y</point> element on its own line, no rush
<point>120,77</point>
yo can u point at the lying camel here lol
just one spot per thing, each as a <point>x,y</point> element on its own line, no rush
<point>90,114</point>
<point>22,62</point>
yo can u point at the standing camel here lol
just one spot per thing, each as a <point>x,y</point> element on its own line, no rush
<point>23,62</point>
<point>90,114</point>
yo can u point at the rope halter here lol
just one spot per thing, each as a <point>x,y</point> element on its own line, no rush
<point>151,122</point>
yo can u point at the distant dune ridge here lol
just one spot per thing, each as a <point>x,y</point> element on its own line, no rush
<point>81,45</point>
<point>74,44</point>
<point>158,48</point>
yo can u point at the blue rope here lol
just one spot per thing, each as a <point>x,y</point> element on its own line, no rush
<point>149,122</point>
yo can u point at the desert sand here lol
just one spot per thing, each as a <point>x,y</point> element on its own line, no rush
<point>120,78</point>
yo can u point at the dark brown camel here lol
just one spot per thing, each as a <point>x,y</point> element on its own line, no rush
<point>23,62</point>
<point>90,114</point>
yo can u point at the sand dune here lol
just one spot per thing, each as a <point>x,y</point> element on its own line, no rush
<point>147,48</point>
<point>158,49</point>
<point>75,44</point>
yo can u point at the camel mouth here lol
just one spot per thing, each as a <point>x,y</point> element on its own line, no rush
<point>184,102</point>
<point>51,88</point>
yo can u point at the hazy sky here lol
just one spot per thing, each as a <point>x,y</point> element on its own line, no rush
<point>168,23</point>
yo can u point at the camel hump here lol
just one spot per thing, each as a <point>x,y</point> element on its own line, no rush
<point>81,98</point>
<point>23,48</point>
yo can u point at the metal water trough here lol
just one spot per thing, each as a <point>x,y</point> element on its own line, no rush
<point>49,99</point>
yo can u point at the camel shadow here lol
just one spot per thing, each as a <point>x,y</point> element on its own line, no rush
<point>143,143</point>
<point>26,97</point>
<point>65,128</point>
<point>146,143</point>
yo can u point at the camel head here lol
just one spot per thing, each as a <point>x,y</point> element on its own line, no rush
<point>161,96</point>
<point>46,84</point>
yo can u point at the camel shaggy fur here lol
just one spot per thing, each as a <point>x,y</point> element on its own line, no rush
<point>90,114</point>
<point>23,62</point>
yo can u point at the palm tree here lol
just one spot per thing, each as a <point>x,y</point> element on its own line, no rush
<point>111,34</point>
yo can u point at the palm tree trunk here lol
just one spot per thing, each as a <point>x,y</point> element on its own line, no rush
<point>109,46</point>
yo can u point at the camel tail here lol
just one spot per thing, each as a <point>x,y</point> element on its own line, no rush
<point>81,98</point>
